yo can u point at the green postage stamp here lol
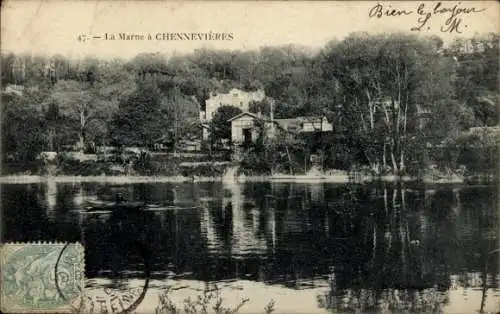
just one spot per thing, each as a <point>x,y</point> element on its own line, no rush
<point>41,277</point>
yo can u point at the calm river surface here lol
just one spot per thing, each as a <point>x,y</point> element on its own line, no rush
<point>312,248</point>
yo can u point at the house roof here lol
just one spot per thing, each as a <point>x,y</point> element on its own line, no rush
<point>310,118</point>
<point>287,123</point>
<point>295,122</point>
<point>243,114</point>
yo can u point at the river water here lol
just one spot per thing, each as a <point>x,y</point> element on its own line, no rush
<point>311,248</point>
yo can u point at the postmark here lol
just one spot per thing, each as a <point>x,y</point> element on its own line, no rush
<point>108,300</point>
<point>115,298</point>
<point>31,282</point>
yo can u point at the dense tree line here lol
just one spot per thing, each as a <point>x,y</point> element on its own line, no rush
<point>390,97</point>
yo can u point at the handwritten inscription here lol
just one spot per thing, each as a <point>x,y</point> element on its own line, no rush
<point>380,11</point>
<point>454,14</point>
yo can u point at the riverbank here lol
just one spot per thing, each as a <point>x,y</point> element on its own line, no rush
<point>336,178</point>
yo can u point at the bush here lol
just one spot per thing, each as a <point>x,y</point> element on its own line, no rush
<point>210,302</point>
<point>84,168</point>
<point>13,167</point>
<point>206,170</point>
<point>69,166</point>
<point>255,164</point>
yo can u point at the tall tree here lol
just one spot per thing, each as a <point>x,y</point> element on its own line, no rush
<point>77,102</point>
<point>220,127</point>
<point>140,120</point>
<point>22,127</point>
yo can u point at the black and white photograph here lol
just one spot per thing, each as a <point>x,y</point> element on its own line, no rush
<point>199,157</point>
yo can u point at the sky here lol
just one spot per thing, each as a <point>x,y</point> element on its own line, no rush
<point>52,27</point>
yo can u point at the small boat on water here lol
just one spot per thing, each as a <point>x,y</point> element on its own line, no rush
<point>94,206</point>
<point>97,203</point>
<point>119,205</point>
<point>162,208</point>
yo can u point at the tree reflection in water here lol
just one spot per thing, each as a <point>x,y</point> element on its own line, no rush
<point>415,252</point>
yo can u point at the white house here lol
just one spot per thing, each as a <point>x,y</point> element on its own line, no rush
<point>236,98</point>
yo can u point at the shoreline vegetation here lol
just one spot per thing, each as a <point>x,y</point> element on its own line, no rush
<point>65,169</point>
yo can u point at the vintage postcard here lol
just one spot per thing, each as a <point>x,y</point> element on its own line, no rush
<point>250,157</point>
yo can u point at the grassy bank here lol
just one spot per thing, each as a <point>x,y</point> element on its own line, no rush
<point>213,171</point>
